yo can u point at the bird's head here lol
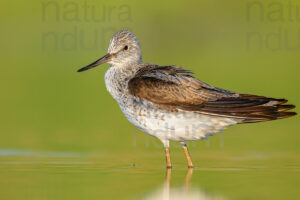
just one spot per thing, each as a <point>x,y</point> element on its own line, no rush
<point>124,49</point>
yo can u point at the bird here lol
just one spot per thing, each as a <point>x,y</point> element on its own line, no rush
<point>169,103</point>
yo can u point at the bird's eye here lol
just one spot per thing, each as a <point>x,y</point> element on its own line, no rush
<point>126,47</point>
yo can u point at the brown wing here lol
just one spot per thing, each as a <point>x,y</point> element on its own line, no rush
<point>173,88</point>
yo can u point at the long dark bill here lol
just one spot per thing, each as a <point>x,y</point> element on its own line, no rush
<point>102,60</point>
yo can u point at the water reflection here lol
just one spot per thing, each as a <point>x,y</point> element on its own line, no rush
<point>166,192</point>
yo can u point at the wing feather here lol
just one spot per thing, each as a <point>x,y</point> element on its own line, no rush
<point>171,87</point>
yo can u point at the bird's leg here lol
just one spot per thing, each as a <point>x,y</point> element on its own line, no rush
<point>168,159</point>
<point>167,151</point>
<point>187,155</point>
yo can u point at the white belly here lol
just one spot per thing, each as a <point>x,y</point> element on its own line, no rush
<point>177,126</point>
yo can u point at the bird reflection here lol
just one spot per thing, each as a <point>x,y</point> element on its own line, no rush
<point>166,192</point>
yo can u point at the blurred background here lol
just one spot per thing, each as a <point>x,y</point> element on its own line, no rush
<point>63,136</point>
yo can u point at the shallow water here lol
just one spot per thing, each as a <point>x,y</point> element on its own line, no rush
<point>27,174</point>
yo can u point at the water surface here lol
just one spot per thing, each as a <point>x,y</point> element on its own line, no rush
<point>27,174</point>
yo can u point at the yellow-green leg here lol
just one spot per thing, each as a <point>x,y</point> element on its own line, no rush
<point>187,155</point>
<point>168,158</point>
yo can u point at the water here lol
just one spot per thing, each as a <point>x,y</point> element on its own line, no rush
<point>26,174</point>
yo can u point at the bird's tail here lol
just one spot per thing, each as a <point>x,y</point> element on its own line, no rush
<point>271,109</point>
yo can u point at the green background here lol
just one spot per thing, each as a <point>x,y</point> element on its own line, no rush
<point>63,136</point>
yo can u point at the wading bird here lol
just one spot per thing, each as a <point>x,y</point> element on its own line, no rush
<point>167,102</point>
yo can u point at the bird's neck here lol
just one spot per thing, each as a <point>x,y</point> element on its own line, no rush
<point>117,78</point>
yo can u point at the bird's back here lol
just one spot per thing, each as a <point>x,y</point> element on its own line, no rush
<point>173,88</point>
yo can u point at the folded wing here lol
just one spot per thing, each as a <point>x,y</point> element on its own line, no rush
<point>174,88</point>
